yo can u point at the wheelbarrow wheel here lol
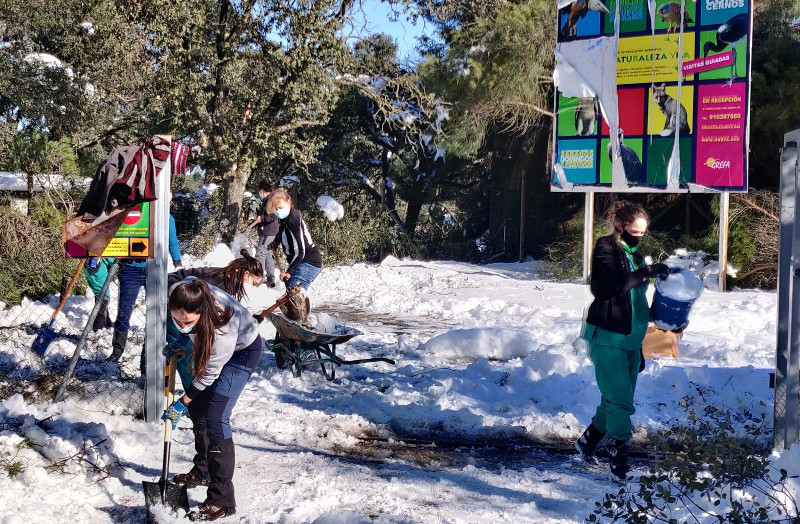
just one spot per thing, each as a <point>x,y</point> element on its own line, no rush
<point>328,367</point>
<point>281,357</point>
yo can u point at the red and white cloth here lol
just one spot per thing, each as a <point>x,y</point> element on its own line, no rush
<point>127,176</point>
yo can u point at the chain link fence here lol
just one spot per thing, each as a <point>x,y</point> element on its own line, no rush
<point>96,385</point>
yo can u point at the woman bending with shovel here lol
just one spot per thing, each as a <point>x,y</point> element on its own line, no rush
<point>227,347</point>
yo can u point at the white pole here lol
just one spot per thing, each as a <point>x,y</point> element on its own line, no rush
<point>588,235</point>
<point>724,213</point>
<point>156,299</point>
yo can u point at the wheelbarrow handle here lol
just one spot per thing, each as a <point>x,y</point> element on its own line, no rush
<point>281,301</point>
<point>68,289</point>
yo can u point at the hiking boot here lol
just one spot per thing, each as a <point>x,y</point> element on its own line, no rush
<point>271,283</point>
<point>619,459</point>
<point>208,512</point>
<point>190,480</point>
<point>587,444</point>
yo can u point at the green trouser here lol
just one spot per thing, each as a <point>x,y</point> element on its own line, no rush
<point>616,371</point>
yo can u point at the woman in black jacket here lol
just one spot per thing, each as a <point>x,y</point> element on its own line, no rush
<point>615,326</point>
<point>234,279</point>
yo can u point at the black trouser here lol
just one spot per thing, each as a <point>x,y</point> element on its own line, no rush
<point>210,412</point>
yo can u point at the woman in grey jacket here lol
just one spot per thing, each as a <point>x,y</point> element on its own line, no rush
<point>227,347</point>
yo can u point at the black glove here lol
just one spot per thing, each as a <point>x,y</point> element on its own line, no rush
<point>654,270</point>
<point>178,264</point>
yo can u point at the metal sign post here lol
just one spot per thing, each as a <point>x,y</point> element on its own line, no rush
<point>787,362</point>
<point>156,327</point>
<point>724,214</point>
<point>588,235</point>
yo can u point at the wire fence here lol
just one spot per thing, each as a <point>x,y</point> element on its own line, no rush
<point>97,384</point>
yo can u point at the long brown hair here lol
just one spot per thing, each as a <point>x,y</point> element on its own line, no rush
<point>233,274</point>
<point>624,213</point>
<point>195,297</point>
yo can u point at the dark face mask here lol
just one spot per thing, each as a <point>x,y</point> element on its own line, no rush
<point>629,239</point>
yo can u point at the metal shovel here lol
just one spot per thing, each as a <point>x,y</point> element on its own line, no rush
<point>164,493</point>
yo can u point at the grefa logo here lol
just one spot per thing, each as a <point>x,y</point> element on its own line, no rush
<point>713,163</point>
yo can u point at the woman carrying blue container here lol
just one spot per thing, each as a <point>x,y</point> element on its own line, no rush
<point>614,329</point>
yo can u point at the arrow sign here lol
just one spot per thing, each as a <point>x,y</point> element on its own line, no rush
<point>139,247</point>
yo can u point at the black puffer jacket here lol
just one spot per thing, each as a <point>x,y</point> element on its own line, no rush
<point>611,282</point>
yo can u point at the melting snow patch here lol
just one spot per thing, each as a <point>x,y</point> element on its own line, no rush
<point>333,210</point>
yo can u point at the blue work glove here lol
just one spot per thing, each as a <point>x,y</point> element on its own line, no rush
<point>173,348</point>
<point>674,270</point>
<point>174,412</point>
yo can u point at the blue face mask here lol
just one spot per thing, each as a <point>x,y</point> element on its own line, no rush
<point>184,330</point>
<point>262,196</point>
<point>282,212</point>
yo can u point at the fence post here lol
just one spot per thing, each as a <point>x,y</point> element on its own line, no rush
<point>156,298</point>
<point>787,362</point>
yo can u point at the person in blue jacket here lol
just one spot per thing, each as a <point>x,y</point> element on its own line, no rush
<point>132,278</point>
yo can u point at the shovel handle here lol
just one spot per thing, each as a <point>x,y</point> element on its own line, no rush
<point>281,301</point>
<point>68,290</point>
<point>169,389</point>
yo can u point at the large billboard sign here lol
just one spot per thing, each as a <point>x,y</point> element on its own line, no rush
<point>652,95</point>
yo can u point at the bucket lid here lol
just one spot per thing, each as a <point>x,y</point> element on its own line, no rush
<point>681,284</point>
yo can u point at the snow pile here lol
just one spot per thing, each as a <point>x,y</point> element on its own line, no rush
<point>698,263</point>
<point>488,343</point>
<point>681,285</point>
<point>333,210</point>
<point>67,448</point>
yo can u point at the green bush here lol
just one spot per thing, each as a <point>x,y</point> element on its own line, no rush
<point>706,471</point>
<point>31,257</point>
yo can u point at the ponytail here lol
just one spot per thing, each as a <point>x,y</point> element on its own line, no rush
<point>195,297</point>
<point>233,274</point>
<point>624,213</point>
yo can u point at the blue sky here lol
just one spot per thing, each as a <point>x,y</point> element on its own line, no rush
<point>374,17</point>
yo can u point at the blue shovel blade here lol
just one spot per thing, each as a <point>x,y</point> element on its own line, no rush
<point>43,339</point>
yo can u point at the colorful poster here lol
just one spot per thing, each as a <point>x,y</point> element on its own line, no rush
<point>721,118</point>
<point>638,62</point>
<point>679,120</point>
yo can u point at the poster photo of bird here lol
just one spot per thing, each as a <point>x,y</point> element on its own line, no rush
<point>631,160</point>
<point>669,14</point>
<point>730,36</point>
<point>583,18</point>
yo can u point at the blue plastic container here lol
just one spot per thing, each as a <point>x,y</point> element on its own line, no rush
<point>673,300</point>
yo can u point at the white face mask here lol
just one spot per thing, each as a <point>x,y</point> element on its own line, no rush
<point>184,330</point>
<point>282,212</point>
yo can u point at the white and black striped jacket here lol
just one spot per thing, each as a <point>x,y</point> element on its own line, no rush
<point>297,243</point>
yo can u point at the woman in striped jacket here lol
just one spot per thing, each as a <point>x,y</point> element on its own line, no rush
<point>305,260</point>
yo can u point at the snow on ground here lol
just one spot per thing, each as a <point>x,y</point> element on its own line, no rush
<point>483,354</point>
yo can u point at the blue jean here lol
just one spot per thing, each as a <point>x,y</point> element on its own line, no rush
<point>213,406</point>
<point>131,280</point>
<point>305,275</point>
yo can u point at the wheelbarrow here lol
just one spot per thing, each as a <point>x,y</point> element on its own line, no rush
<point>297,347</point>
